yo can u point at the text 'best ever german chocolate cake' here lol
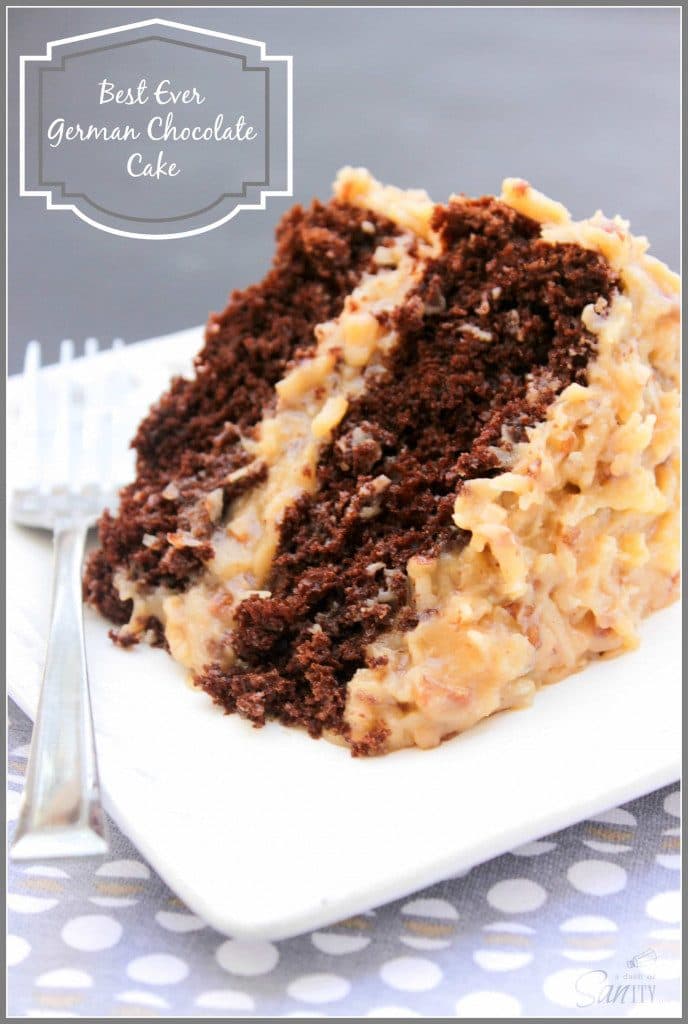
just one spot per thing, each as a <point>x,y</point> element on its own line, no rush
<point>427,465</point>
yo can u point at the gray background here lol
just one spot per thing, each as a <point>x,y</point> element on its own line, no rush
<point>584,103</point>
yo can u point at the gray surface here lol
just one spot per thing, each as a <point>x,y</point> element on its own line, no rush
<point>583,103</point>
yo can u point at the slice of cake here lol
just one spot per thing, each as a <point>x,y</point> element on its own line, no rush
<point>429,464</point>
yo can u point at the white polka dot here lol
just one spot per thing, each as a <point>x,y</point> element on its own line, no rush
<point>488,1004</point>
<point>513,927</point>
<point>588,923</point>
<point>44,871</point>
<point>65,977</point>
<point>501,960</point>
<point>462,874</point>
<point>174,922</point>
<point>442,910</point>
<point>138,998</point>
<point>123,869</point>
<point>516,896</point>
<point>598,847</point>
<point>247,958</point>
<point>391,1012</point>
<point>665,906</point>
<point>672,803</point>
<point>29,904</point>
<point>616,816</point>
<point>157,969</point>
<point>579,950</point>
<point>596,877</point>
<point>411,974</point>
<point>112,901</point>
<point>561,988</point>
<point>424,943</point>
<point>17,950</point>
<point>531,850</point>
<point>644,1010</point>
<point>225,999</point>
<point>668,934</point>
<point>338,945</point>
<point>92,933</point>
<point>664,969</point>
<point>588,956</point>
<point>319,988</point>
<point>670,861</point>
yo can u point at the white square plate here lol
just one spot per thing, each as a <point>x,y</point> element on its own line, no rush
<point>267,833</point>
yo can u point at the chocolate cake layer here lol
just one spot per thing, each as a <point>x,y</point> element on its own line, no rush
<point>189,444</point>
<point>485,341</point>
<point>429,465</point>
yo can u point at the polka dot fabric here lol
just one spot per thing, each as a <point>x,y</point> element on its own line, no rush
<point>585,922</point>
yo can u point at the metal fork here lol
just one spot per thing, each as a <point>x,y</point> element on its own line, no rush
<point>63,490</point>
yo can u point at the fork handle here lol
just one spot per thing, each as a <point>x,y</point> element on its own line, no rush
<point>61,814</point>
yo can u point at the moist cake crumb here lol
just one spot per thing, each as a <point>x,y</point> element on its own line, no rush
<point>428,465</point>
<point>188,445</point>
<point>448,405</point>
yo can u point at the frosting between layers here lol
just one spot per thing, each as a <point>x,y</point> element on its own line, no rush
<point>312,398</point>
<point>571,546</point>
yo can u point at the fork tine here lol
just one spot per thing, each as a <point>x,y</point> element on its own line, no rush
<point>61,812</point>
<point>32,357</point>
<point>120,430</point>
<point>107,433</point>
<point>91,447</point>
<point>30,462</point>
<point>58,474</point>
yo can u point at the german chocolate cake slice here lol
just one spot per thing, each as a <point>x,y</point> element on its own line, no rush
<point>429,464</point>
